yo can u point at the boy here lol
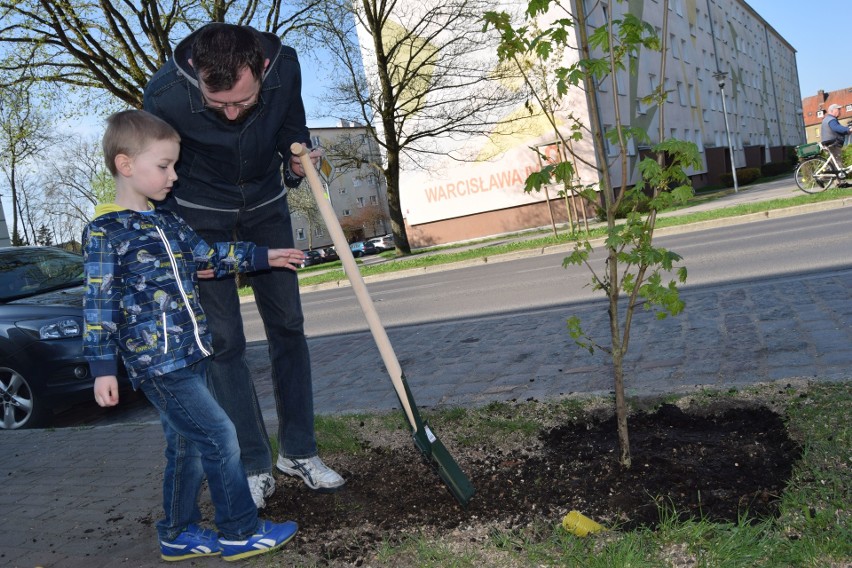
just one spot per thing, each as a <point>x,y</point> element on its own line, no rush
<point>141,304</point>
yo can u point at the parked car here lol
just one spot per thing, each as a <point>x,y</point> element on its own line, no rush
<point>383,243</point>
<point>41,324</point>
<point>313,257</point>
<point>330,254</point>
<point>362,248</point>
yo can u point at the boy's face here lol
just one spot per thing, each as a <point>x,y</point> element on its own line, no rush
<point>154,170</point>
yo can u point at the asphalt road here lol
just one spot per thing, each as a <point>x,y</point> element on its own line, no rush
<point>772,247</point>
<point>535,285</point>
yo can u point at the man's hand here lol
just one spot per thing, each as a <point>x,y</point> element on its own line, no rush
<point>286,258</point>
<point>106,390</point>
<point>296,166</point>
<point>205,274</point>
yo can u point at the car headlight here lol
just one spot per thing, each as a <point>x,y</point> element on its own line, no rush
<point>60,329</point>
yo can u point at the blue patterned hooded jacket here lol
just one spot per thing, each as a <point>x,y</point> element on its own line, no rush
<point>141,301</point>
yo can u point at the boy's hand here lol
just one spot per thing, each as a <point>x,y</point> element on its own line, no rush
<point>106,390</point>
<point>205,274</point>
<point>286,258</point>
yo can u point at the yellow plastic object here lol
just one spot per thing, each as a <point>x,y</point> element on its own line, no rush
<point>580,525</point>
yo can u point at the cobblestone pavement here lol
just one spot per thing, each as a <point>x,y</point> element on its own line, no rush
<point>89,496</point>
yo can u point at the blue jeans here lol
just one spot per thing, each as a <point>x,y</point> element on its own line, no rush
<point>276,293</point>
<point>200,440</point>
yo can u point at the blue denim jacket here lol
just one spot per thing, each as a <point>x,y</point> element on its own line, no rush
<point>229,166</point>
<point>141,300</point>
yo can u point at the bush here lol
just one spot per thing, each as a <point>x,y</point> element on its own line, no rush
<point>744,176</point>
<point>775,168</point>
<point>847,155</point>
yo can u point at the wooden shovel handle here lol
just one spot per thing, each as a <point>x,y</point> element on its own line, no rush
<point>380,336</point>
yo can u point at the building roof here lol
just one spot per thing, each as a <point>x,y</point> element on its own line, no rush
<point>812,105</point>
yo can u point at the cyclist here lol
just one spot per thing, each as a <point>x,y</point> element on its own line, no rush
<point>833,135</point>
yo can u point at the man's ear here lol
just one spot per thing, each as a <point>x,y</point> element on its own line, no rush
<point>124,165</point>
<point>265,65</point>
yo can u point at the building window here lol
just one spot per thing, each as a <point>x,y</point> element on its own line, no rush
<point>341,191</point>
<point>848,108</point>
<point>318,232</point>
<point>374,200</point>
<point>300,234</point>
<point>698,141</point>
<point>360,201</point>
<point>692,100</point>
<point>356,181</point>
<point>347,212</point>
<point>620,81</point>
<point>611,148</point>
<point>315,142</point>
<point>681,93</point>
<point>820,113</point>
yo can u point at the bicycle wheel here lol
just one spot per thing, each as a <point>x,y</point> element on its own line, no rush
<point>811,177</point>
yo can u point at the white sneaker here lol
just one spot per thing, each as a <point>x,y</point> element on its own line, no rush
<point>313,472</point>
<point>261,486</point>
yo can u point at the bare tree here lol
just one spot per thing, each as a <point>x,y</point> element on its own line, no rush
<point>113,48</point>
<point>25,131</point>
<point>302,204</point>
<point>74,183</point>
<point>428,74</point>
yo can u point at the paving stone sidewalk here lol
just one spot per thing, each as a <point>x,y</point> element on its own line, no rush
<point>89,496</point>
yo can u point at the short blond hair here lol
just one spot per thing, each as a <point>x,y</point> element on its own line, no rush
<point>129,132</point>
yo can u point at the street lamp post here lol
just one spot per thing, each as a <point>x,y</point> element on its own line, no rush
<point>720,77</point>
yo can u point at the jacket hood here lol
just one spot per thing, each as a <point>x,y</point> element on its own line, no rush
<point>183,53</point>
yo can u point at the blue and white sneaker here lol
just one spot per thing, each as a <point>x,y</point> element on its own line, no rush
<point>191,543</point>
<point>268,537</point>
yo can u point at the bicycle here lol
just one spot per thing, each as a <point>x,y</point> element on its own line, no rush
<point>816,173</point>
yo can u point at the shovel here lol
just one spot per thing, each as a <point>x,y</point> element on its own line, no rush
<point>424,439</point>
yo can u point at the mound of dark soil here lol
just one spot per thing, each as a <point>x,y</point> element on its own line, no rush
<point>718,465</point>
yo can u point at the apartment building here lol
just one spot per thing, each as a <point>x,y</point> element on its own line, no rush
<point>733,90</point>
<point>356,190</point>
<point>728,73</point>
<point>814,107</point>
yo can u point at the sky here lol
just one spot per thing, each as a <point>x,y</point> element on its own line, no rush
<point>819,33</point>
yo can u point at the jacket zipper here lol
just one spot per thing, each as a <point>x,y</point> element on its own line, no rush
<point>173,262</point>
<point>165,333</point>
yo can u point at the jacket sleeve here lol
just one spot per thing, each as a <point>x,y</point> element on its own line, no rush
<point>226,258</point>
<point>294,128</point>
<point>101,302</point>
<point>838,128</point>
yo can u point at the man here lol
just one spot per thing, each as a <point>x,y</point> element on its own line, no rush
<point>234,95</point>
<point>833,135</point>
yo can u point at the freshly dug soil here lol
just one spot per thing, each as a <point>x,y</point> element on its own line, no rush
<point>716,463</point>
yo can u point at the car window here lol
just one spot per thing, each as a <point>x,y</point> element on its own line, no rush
<point>27,271</point>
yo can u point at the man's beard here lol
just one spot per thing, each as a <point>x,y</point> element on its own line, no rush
<point>240,118</point>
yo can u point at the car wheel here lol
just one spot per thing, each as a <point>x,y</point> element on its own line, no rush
<point>21,408</point>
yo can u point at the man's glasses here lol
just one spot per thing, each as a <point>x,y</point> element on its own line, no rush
<point>223,106</point>
<point>214,105</point>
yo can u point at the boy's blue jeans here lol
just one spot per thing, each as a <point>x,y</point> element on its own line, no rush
<point>276,293</point>
<point>200,440</point>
